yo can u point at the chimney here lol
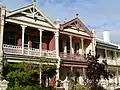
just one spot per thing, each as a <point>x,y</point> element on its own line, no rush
<point>106,36</point>
<point>57,23</point>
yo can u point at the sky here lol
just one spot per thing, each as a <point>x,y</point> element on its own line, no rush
<point>99,15</point>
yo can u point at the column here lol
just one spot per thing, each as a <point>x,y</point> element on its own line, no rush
<point>105,53</point>
<point>2,18</point>
<point>106,59</point>
<point>28,47</point>
<point>23,32</point>
<point>40,74</point>
<point>40,47</point>
<point>71,68</point>
<point>82,44</point>
<point>117,74</point>
<point>58,71</point>
<point>73,47</point>
<point>80,52</point>
<point>65,48</point>
<point>57,43</point>
<point>57,54</point>
<point>71,44</point>
<point>93,42</point>
<point>117,71</point>
<point>84,73</point>
<point>2,15</point>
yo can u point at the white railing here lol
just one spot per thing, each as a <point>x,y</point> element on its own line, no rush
<point>17,50</point>
<point>109,61</point>
<point>10,49</point>
<point>68,56</point>
<point>47,53</point>
<point>31,51</point>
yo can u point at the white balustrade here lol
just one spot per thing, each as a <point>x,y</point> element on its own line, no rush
<point>31,51</point>
<point>10,49</point>
<point>68,56</point>
<point>17,50</point>
<point>48,53</point>
<point>109,61</point>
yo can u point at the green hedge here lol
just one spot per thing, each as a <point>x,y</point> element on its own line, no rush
<point>31,88</point>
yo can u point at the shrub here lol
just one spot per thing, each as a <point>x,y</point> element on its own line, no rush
<point>36,87</point>
<point>78,87</point>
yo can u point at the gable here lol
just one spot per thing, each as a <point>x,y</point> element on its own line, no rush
<point>31,14</point>
<point>76,26</point>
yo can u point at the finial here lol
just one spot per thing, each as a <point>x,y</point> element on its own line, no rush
<point>77,15</point>
<point>34,6</point>
<point>65,20</point>
<point>34,1</point>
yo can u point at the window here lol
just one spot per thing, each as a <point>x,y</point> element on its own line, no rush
<point>68,47</point>
<point>36,41</point>
<point>77,46</point>
<point>61,45</point>
<point>12,38</point>
<point>36,45</point>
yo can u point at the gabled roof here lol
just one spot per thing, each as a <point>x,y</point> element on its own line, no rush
<point>17,10</point>
<point>34,9</point>
<point>78,24</point>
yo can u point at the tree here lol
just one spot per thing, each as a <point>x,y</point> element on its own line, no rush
<point>95,71</point>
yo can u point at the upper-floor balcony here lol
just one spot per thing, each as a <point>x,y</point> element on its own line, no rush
<point>75,41</point>
<point>17,50</point>
<point>73,48</point>
<point>72,57</point>
<point>112,56</point>
<point>110,61</point>
<point>28,41</point>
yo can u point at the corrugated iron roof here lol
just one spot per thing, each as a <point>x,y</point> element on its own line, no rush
<point>106,43</point>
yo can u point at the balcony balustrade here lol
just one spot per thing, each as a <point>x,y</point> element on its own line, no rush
<point>110,61</point>
<point>68,56</point>
<point>17,50</point>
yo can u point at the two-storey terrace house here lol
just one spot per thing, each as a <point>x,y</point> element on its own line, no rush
<point>110,52</point>
<point>75,40</point>
<point>28,33</point>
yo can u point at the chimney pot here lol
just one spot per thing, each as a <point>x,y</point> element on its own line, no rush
<point>106,36</point>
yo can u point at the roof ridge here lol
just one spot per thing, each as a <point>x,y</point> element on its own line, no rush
<point>107,42</point>
<point>20,8</point>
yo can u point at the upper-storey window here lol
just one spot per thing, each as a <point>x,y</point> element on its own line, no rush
<point>61,45</point>
<point>10,38</point>
<point>36,41</point>
<point>110,55</point>
<point>77,46</point>
<point>68,47</point>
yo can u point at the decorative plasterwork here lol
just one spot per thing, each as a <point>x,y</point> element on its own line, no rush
<point>31,14</point>
<point>76,26</point>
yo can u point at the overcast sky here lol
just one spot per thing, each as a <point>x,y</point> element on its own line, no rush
<point>96,14</point>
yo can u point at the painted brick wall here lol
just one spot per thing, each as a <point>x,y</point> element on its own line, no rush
<point>49,44</point>
<point>52,43</point>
